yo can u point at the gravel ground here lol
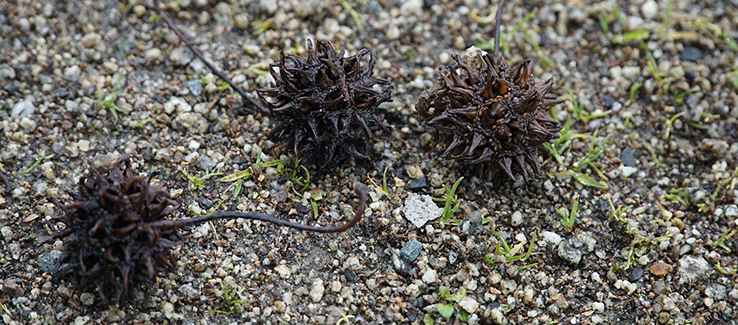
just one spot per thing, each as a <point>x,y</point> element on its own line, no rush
<point>660,140</point>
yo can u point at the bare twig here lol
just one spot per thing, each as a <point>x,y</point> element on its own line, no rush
<point>5,180</point>
<point>497,29</point>
<point>359,213</point>
<point>259,108</point>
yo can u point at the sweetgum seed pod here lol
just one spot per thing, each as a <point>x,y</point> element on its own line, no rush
<point>492,117</point>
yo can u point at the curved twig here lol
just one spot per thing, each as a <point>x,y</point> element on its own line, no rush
<point>497,29</point>
<point>359,213</point>
<point>260,108</point>
<point>5,180</point>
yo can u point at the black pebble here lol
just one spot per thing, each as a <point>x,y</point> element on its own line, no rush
<point>206,203</point>
<point>690,75</point>
<point>691,54</point>
<point>349,274</point>
<point>608,101</point>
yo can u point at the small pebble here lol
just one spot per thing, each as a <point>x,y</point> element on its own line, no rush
<point>649,9</point>
<point>691,54</point>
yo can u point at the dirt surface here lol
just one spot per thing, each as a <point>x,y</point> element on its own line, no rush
<point>649,158</point>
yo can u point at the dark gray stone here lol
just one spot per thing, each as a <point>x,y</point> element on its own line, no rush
<point>418,184</point>
<point>349,274</point>
<point>49,262</point>
<point>635,275</point>
<point>608,101</point>
<point>411,250</point>
<point>205,163</point>
<point>691,54</point>
<point>627,157</point>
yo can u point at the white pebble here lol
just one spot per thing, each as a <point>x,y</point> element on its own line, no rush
<point>153,54</point>
<point>393,33</point>
<point>516,219</point>
<point>649,9</point>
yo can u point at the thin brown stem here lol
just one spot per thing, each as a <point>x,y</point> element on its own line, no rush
<point>358,214</point>
<point>259,108</point>
<point>497,29</point>
<point>5,180</point>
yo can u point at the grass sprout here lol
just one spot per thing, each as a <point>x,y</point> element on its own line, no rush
<point>357,17</point>
<point>451,204</point>
<point>231,299</point>
<point>677,195</point>
<point>619,213</point>
<point>568,217</point>
<point>721,241</point>
<point>108,101</point>
<point>36,163</point>
<point>197,182</point>
<point>511,253</point>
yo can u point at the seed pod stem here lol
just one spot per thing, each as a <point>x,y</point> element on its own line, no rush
<point>5,180</point>
<point>359,213</point>
<point>497,29</point>
<point>173,27</point>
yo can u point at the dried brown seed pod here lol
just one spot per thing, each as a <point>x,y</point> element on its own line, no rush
<point>491,117</point>
<point>117,236</point>
<point>325,103</point>
<point>109,243</point>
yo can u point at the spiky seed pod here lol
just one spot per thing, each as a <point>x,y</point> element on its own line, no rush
<point>492,117</point>
<point>109,241</point>
<point>325,104</point>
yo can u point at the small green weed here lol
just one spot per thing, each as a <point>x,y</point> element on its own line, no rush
<point>568,217</point>
<point>594,152</point>
<point>489,45</point>
<point>345,319</point>
<point>577,107</point>
<point>261,26</point>
<point>717,31</point>
<point>721,241</point>
<point>231,299</point>
<point>357,17</point>
<point>143,122</point>
<point>545,61</point>
<point>709,204</point>
<point>670,124</point>
<point>724,271</point>
<point>197,182</point>
<point>557,147</point>
<point>678,195</point>
<point>383,189</point>
<point>36,163</point>
<point>633,90</point>
<point>510,253</point>
<point>619,213</point>
<point>108,101</point>
<point>447,309</point>
<point>451,204</point>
